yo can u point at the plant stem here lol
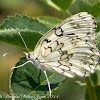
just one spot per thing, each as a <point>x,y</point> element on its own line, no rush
<point>90,89</point>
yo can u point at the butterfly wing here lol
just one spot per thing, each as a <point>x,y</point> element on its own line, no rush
<point>69,48</point>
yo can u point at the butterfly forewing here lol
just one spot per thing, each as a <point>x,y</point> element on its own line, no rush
<point>69,48</point>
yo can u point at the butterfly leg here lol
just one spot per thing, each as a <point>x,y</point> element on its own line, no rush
<point>21,65</point>
<point>48,82</point>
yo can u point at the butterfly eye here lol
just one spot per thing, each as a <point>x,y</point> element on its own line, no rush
<point>28,55</point>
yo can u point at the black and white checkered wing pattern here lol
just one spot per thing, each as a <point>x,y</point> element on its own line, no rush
<point>69,48</point>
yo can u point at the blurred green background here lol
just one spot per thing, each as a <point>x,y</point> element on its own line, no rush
<point>32,8</point>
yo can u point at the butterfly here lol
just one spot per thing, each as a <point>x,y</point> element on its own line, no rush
<point>68,49</point>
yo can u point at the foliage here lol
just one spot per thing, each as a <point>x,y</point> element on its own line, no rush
<point>28,79</point>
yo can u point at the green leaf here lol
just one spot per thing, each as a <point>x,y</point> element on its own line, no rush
<point>97,88</point>
<point>50,3</point>
<point>92,2</point>
<point>49,21</point>
<point>22,81</point>
<point>63,4</point>
<point>85,6</point>
<point>31,81</point>
<point>4,96</point>
<point>95,9</point>
<point>98,23</point>
<point>29,28</point>
<point>11,36</point>
<point>98,39</point>
<point>90,93</point>
<point>80,6</point>
<point>94,78</point>
<point>24,22</point>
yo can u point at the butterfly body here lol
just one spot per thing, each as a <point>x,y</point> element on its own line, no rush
<point>30,56</point>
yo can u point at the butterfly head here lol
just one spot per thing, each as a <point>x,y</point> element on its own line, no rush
<point>29,55</point>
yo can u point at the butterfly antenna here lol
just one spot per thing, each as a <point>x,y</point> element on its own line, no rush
<point>23,41</point>
<point>11,53</point>
<point>5,54</point>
